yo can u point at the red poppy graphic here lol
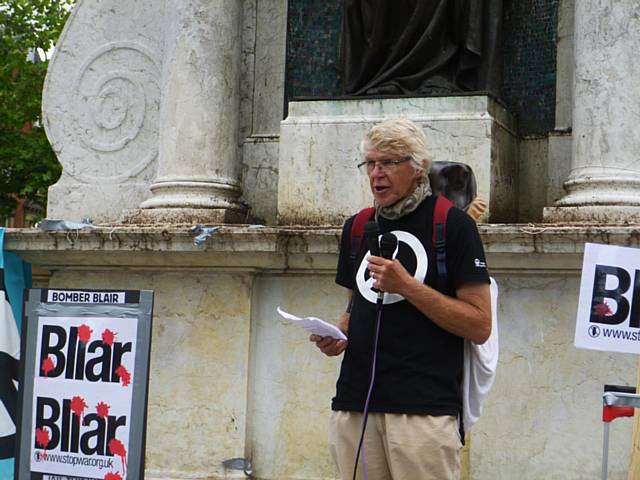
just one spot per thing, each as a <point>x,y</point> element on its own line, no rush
<point>117,448</point>
<point>102,409</point>
<point>47,365</point>
<point>77,407</point>
<point>112,476</point>
<point>108,337</point>
<point>42,437</point>
<point>84,333</point>
<point>602,310</point>
<point>124,375</point>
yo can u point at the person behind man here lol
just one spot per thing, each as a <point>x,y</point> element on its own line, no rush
<point>413,427</point>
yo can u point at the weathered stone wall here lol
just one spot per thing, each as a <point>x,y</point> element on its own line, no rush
<point>543,418</point>
<point>230,379</point>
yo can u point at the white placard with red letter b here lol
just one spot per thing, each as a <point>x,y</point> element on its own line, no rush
<point>609,306</point>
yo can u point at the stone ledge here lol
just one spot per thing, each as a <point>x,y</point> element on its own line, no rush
<point>532,248</point>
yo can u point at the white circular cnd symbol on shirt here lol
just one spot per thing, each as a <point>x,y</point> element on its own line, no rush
<point>365,286</point>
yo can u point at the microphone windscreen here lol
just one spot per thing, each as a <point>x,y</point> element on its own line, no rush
<point>371,232</point>
<point>388,244</point>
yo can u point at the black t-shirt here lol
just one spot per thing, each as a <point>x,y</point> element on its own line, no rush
<point>419,365</point>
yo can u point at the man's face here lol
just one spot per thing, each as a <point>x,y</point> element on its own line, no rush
<point>394,183</point>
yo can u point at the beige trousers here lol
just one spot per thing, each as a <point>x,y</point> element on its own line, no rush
<point>396,447</point>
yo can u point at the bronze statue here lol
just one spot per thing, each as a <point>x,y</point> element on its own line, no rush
<point>402,47</point>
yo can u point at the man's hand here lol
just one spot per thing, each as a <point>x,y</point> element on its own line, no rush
<point>328,345</point>
<point>389,275</point>
<point>331,346</point>
<point>477,207</point>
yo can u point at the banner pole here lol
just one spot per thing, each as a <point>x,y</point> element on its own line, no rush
<point>634,457</point>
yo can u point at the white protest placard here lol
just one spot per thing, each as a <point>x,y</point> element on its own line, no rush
<point>83,392</point>
<point>84,374</point>
<point>609,305</point>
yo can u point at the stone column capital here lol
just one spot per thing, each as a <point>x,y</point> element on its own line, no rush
<point>604,183</point>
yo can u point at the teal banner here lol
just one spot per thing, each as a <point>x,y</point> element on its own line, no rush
<point>15,276</point>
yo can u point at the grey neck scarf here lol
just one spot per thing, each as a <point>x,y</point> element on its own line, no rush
<point>407,204</point>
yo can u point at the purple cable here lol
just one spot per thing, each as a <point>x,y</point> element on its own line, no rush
<point>365,413</point>
<point>387,246</point>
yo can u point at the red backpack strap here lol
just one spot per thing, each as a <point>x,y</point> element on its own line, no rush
<point>356,235</point>
<point>440,212</point>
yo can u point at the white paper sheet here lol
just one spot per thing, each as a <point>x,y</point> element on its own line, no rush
<point>314,325</point>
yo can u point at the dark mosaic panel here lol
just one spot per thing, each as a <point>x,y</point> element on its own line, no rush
<point>529,47</point>
<point>529,75</point>
<point>313,48</point>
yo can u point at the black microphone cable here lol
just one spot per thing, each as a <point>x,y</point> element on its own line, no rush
<point>388,244</point>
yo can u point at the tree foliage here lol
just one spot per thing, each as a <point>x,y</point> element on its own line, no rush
<point>28,29</point>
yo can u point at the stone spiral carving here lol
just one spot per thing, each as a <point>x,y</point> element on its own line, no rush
<point>117,101</point>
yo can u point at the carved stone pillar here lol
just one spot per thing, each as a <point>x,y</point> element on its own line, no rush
<point>145,95</point>
<point>100,105</point>
<point>198,165</point>
<point>604,183</point>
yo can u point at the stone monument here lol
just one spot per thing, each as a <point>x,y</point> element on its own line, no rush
<point>145,98</point>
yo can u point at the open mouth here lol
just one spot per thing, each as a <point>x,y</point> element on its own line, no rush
<point>380,189</point>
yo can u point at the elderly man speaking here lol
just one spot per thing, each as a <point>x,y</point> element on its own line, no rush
<point>405,371</point>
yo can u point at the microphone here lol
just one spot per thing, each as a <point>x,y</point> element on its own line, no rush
<point>388,245</point>
<point>371,232</point>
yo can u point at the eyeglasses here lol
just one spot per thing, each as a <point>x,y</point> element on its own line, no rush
<point>383,165</point>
